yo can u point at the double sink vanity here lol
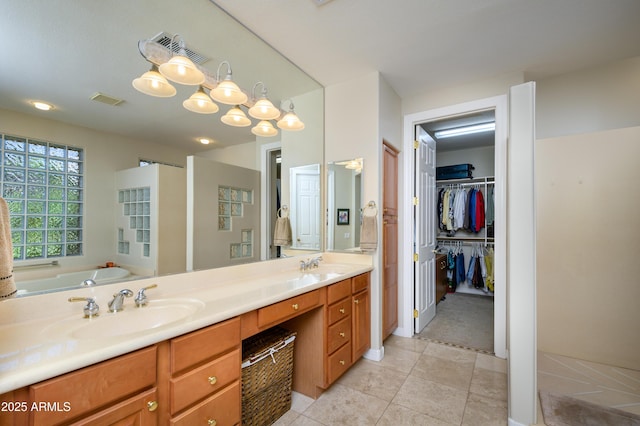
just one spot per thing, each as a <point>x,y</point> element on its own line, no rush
<point>177,359</point>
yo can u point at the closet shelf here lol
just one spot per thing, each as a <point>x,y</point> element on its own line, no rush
<point>477,180</point>
<point>468,239</point>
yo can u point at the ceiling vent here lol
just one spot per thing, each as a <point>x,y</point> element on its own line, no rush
<point>165,40</point>
<point>105,99</point>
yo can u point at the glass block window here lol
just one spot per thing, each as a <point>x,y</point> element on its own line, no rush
<point>230,201</point>
<point>136,205</point>
<point>42,183</point>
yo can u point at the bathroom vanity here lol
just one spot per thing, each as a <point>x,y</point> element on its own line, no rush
<point>178,360</point>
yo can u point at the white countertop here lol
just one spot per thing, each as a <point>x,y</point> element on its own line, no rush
<point>44,336</point>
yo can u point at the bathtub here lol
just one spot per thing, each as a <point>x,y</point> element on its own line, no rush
<point>71,280</point>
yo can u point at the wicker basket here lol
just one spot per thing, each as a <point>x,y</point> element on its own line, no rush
<point>267,369</point>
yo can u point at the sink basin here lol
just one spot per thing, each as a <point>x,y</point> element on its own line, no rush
<point>131,320</point>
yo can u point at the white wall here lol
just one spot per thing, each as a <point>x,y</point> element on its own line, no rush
<point>105,153</point>
<point>482,159</point>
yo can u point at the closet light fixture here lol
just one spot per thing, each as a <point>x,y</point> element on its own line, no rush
<point>264,128</point>
<point>180,68</point>
<point>235,117</point>
<point>263,109</point>
<point>227,92</point>
<point>43,106</point>
<point>290,120</point>
<point>201,103</point>
<point>154,84</point>
<point>466,130</point>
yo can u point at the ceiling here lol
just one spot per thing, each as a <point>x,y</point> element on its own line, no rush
<point>65,51</point>
<point>422,45</point>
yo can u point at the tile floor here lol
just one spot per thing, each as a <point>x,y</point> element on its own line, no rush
<point>417,383</point>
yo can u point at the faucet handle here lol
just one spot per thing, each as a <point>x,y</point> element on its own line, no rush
<point>91,309</point>
<point>141,297</point>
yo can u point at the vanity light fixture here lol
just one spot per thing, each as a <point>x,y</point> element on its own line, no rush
<point>264,128</point>
<point>154,84</point>
<point>236,117</point>
<point>466,130</point>
<point>201,103</point>
<point>290,120</point>
<point>263,109</point>
<point>43,106</point>
<point>204,141</point>
<point>180,68</point>
<point>227,92</point>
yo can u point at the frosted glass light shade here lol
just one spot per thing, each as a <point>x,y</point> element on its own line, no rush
<point>235,117</point>
<point>201,103</point>
<point>264,128</point>
<point>290,121</point>
<point>154,84</point>
<point>181,70</point>
<point>227,92</point>
<point>263,109</point>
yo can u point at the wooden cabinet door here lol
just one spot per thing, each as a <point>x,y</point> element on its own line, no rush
<point>390,242</point>
<point>139,410</point>
<point>361,324</point>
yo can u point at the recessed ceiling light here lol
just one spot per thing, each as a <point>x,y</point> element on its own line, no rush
<point>204,141</point>
<point>42,105</point>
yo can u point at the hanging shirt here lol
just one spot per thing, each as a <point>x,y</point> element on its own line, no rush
<point>479,212</point>
<point>472,210</point>
<point>459,208</point>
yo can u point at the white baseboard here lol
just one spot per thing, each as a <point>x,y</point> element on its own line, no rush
<point>374,354</point>
<point>514,423</point>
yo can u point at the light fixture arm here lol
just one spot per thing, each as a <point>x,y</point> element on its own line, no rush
<point>229,72</point>
<point>181,45</point>
<point>253,91</point>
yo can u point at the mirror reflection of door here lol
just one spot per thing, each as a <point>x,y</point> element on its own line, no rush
<point>305,208</point>
<point>274,195</point>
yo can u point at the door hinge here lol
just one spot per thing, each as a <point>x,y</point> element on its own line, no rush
<point>415,201</point>
<point>416,257</point>
<point>415,313</point>
<point>416,144</point>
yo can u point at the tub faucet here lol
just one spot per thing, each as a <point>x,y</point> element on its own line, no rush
<point>118,300</point>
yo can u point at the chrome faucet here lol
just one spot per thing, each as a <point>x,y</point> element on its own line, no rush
<point>310,263</point>
<point>141,298</point>
<point>88,282</point>
<point>118,300</point>
<point>91,309</point>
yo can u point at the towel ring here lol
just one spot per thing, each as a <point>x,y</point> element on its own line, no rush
<point>283,211</point>
<point>370,209</point>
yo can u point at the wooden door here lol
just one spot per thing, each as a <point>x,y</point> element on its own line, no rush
<point>389,240</point>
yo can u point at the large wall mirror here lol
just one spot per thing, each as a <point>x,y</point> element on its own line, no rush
<point>82,59</point>
<point>344,204</point>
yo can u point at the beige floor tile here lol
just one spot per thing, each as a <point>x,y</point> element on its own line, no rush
<point>305,421</point>
<point>456,372</point>
<point>490,362</point>
<point>341,405</point>
<point>300,402</point>
<point>399,359</point>
<point>287,418</point>
<point>396,415</point>
<point>483,411</point>
<point>562,384</point>
<point>373,379</point>
<point>442,402</point>
<point>410,344</point>
<point>609,398</point>
<point>450,353</point>
<point>489,384</point>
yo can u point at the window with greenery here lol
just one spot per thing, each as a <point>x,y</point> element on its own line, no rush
<point>42,184</point>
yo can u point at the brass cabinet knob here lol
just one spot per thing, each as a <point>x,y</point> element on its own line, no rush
<point>212,422</point>
<point>152,405</point>
<point>356,301</point>
<point>212,380</point>
<point>341,362</point>
<point>342,311</point>
<point>295,306</point>
<point>342,334</point>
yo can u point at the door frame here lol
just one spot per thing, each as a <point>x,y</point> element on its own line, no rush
<point>266,219</point>
<point>499,104</point>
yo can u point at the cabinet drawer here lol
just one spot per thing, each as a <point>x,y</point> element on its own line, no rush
<point>223,408</point>
<point>339,362</point>
<point>201,345</point>
<point>338,291</point>
<point>339,310</point>
<point>360,282</point>
<point>95,386</point>
<point>202,381</point>
<point>338,335</point>
<point>289,308</point>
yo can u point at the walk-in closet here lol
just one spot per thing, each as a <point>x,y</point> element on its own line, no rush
<point>465,220</point>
